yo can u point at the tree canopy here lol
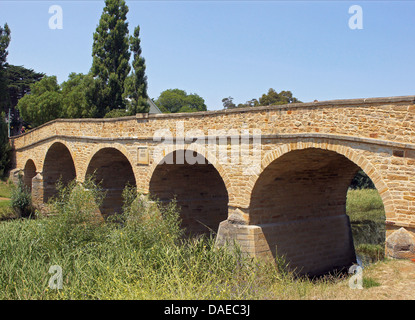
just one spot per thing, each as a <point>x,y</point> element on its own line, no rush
<point>80,96</point>
<point>176,100</point>
<point>4,43</point>
<point>272,97</point>
<point>110,52</point>
<point>4,139</point>
<point>135,86</point>
<point>43,104</point>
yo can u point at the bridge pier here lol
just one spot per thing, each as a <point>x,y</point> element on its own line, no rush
<point>400,243</point>
<point>37,190</point>
<point>312,246</point>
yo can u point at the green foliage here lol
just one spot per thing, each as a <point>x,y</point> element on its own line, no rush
<point>43,104</point>
<point>5,147</point>
<point>369,282</point>
<point>80,96</point>
<point>367,218</point>
<point>74,216</point>
<point>21,199</point>
<point>135,85</point>
<point>228,103</point>
<point>361,181</point>
<point>19,80</point>
<point>270,98</point>
<point>176,100</point>
<point>275,98</point>
<point>116,113</point>
<point>4,43</point>
<point>110,52</point>
<point>149,222</point>
<point>6,188</point>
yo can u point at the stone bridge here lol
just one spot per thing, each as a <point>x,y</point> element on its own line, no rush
<point>271,178</point>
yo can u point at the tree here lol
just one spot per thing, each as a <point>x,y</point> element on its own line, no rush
<point>249,103</point>
<point>270,98</point>
<point>19,80</point>
<point>228,103</point>
<point>110,52</point>
<point>4,43</point>
<point>4,146</point>
<point>80,96</point>
<point>275,98</point>
<point>176,100</point>
<point>4,137</point>
<point>135,86</point>
<point>43,104</point>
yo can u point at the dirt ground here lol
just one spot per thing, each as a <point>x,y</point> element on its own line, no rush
<point>396,279</point>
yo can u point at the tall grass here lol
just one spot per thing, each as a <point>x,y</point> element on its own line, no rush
<point>140,254</point>
<point>367,218</point>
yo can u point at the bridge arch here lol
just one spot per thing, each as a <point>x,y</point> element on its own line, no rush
<point>299,200</point>
<point>57,165</point>
<point>203,152</point>
<point>112,169</point>
<point>29,172</point>
<point>358,159</point>
<point>199,189</point>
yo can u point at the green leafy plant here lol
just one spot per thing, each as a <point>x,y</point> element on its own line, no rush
<point>21,199</point>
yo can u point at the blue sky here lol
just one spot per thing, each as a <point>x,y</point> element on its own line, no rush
<point>240,49</point>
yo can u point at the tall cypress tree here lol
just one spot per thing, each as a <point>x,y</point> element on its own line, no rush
<point>4,140</point>
<point>110,51</point>
<point>4,43</point>
<point>136,83</point>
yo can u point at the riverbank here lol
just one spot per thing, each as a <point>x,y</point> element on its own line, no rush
<point>395,281</point>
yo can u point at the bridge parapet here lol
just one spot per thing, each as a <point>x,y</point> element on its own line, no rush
<point>388,119</point>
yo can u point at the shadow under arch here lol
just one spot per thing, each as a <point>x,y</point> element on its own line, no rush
<point>198,188</point>
<point>58,165</point>
<point>299,201</point>
<point>29,172</point>
<point>111,168</point>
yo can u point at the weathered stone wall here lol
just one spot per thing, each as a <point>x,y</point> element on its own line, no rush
<point>376,135</point>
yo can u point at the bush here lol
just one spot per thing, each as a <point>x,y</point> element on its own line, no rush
<point>21,199</point>
<point>149,222</point>
<point>74,216</point>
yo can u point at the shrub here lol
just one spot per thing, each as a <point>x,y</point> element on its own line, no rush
<point>149,222</point>
<point>21,199</point>
<point>74,217</point>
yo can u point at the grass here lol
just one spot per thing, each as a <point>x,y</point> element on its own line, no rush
<point>365,204</point>
<point>138,255</point>
<point>367,218</point>
<point>5,192</point>
<point>5,189</point>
